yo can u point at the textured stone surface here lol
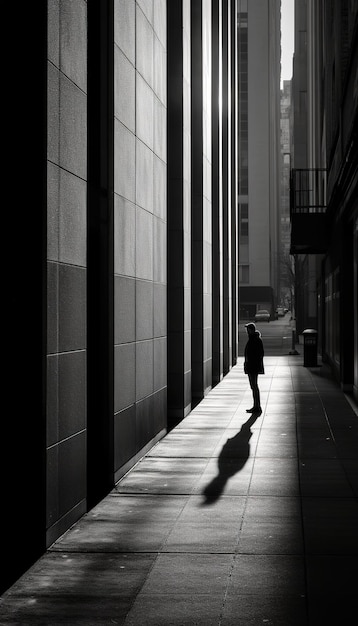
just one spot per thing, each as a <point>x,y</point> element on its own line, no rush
<point>207,530</point>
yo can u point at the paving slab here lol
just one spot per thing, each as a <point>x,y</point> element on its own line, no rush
<point>269,610</point>
<point>138,523</point>
<point>268,575</point>
<point>230,520</point>
<point>324,477</point>
<point>175,610</point>
<point>64,588</point>
<point>163,476</point>
<point>330,525</point>
<point>275,476</point>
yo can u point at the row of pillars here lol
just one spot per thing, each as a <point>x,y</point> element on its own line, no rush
<point>202,198</point>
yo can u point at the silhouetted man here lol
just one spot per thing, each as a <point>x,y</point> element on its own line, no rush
<point>253,364</point>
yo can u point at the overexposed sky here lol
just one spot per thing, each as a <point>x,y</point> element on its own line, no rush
<point>287,38</point>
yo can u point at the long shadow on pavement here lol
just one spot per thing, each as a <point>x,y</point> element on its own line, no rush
<point>231,460</point>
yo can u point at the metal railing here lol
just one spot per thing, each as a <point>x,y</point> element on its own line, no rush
<point>308,191</point>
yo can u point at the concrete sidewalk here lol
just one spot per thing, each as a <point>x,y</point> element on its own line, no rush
<point>229,520</point>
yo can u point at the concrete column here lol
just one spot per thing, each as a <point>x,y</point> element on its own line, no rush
<point>28,317</point>
<point>226,187</point>
<point>201,269</point>
<point>67,266</point>
<point>234,182</point>
<point>140,229</point>
<point>217,233</point>
<point>197,303</point>
<point>100,251</point>
<point>179,210</point>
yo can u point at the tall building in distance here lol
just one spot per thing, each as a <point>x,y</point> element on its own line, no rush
<point>258,153</point>
<point>286,271</point>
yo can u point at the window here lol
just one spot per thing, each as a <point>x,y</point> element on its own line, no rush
<point>244,222</point>
<point>244,274</point>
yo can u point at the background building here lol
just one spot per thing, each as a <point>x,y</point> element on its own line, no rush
<point>124,285</point>
<point>286,263</point>
<point>305,265</point>
<point>259,153</point>
<point>324,208</point>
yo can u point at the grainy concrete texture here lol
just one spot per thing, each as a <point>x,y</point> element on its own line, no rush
<point>231,519</point>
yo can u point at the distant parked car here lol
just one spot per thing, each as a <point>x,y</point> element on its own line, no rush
<point>280,311</point>
<point>262,316</point>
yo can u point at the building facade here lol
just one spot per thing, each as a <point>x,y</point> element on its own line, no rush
<point>286,265</point>
<point>259,153</point>
<point>324,209</point>
<point>129,256</point>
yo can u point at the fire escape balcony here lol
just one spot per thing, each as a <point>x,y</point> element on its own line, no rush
<point>309,228</point>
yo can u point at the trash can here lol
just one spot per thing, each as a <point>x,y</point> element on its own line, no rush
<point>310,344</point>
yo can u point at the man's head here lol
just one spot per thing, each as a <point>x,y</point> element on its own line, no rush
<point>251,328</point>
